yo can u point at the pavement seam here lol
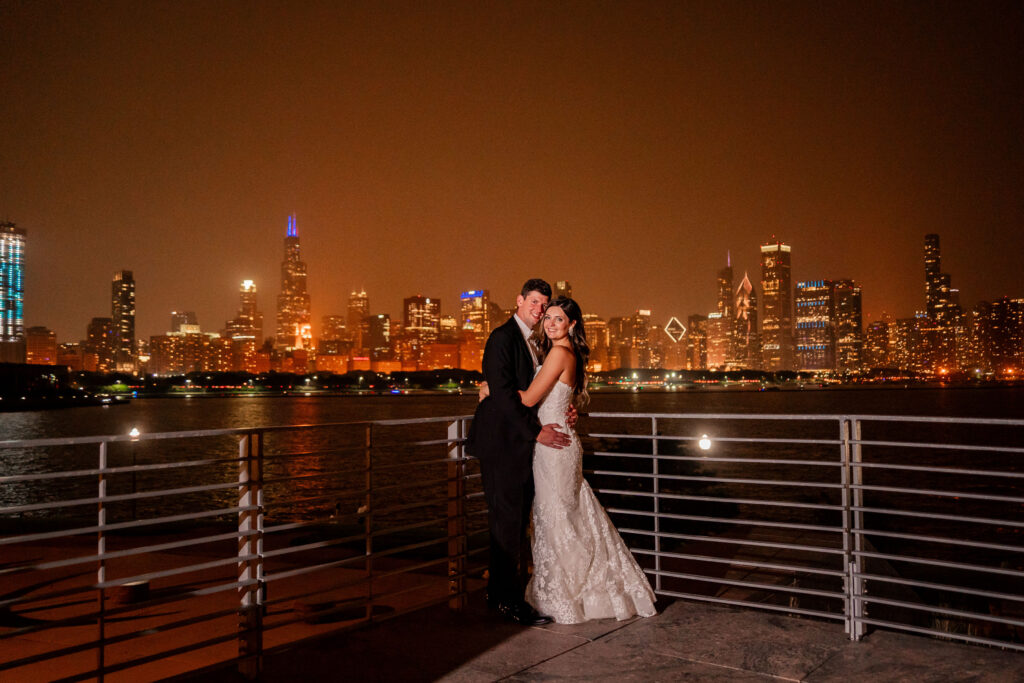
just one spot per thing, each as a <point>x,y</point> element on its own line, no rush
<point>586,641</point>
<point>725,666</point>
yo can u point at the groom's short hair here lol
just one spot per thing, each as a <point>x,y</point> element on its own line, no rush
<point>536,285</point>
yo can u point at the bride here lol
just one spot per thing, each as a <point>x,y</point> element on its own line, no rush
<point>582,568</point>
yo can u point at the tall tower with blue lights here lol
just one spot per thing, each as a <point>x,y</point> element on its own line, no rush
<point>293,317</point>
<point>12,293</point>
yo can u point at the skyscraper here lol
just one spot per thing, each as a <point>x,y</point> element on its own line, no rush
<point>422,318</point>
<point>815,331</point>
<point>12,293</point>
<point>293,327</point>
<point>248,324</point>
<point>562,288</point>
<point>849,326</point>
<point>746,338</point>
<point>475,312</point>
<point>358,310</point>
<point>777,296</point>
<point>122,313</point>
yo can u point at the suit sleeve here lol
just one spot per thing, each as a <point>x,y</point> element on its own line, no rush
<point>499,371</point>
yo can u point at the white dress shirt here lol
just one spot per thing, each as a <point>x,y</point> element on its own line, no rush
<point>527,332</point>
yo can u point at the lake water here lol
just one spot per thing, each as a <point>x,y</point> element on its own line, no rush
<point>186,414</point>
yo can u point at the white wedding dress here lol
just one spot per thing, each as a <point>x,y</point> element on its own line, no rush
<point>581,567</point>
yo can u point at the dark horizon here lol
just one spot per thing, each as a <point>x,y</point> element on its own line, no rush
<point>436,149</point>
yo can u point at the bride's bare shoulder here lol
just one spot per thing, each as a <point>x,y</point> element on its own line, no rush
<point>561,354</point>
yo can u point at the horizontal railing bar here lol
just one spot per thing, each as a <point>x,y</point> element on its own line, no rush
<point>417,463</point>
<point>1005,644</point>
<point>337,495</point>
<point>939,563</point>
<point>709,458</point>
<point>309,569</point>
<point>236,431</point>
<point>755,605</point>
<point>118,498</point>
<point>940,446</point>
<point>409,506</point>
<point>940,539</point>
<point>940,586</point>
<point>740,501</point>
<point>178,570</point>
<point>938,470</point>
<point>725,520</point>
<point>87,559</point>
<point>293,549</point>
<point>747,584</point>
<point>414,484</point>
<point>721,416</point>
<point>870,599</point>
<point>314,475</point>
<point>407,527</point>
<point>740,563</point>
<point>122,469</point>
<point>720,480</point>
<point>937,515</point>
<point>701,458</point>
<point>78,531</point>
<point>734,541</point>
<point>165,654</point>
<point>716,439</point>
<point>933,492</point>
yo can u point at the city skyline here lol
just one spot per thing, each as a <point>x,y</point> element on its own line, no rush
<point>625,149</point>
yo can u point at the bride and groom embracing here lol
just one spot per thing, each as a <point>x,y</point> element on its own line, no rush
<point>531,466</point>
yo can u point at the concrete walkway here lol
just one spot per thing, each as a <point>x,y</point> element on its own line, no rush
<point>686,641</point>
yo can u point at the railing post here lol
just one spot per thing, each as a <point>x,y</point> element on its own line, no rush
<point>844,475</point>
<point>250,553</point>
<point>857,566</point>
<point>101,572</point>
<point>457,542</point>
<point>368,519</point>
<point>657,504</point>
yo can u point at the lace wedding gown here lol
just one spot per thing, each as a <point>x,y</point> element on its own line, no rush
<point>582,568</point>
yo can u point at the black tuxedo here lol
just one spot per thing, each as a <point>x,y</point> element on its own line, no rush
<point>502,437</point>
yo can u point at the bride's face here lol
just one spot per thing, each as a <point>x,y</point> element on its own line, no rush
<point>556,323</point>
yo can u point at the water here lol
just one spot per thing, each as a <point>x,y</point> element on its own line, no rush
<point>181,414</point>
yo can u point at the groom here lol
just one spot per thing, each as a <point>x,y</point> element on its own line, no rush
<point>502,437</point>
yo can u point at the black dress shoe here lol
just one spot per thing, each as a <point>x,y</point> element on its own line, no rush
<point>521,613</point>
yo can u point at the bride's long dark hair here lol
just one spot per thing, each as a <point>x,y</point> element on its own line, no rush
<point>578,340</point>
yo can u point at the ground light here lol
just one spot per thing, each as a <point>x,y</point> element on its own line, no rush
<point>704,443</point>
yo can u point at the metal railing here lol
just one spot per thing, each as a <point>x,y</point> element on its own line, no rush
<point>909,523</point>
<point>224,545</point>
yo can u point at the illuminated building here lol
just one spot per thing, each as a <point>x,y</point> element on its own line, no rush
<point>422,318</point>
<point>247,325</point>
<point>901,333</point>
<point>718,333</point>
<point>101,340</point>
<point>746,338</point>
<point>943,308</point>
<point>474,310</point>
<point>629,341</point>
<point>12,293</point>
<point>815,331</point>
<point>40,346</point>
<point>848,324</point>
<point>122,314</point>
<point>332,328</point>
<point>1005,323</point>
<point>358,309</point>
<point>673,346</point>
<point>596,330</point>
<point>181,320</point>
<point>777,299</point>
<point>293,318</point>
<point>561,288</point>
<point>697,342</point>
<point>449,328</point>
<point>876,345</point>
<point>179,353</point>
<point>377,335</point>
<point>440,355</point>
<point>471,352</point>
<point>70,356</point>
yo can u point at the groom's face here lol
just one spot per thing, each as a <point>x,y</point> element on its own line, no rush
<point>531,307</point>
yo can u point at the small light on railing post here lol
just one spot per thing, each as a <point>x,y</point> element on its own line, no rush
<point>704,443</point>
<point>134,433</point>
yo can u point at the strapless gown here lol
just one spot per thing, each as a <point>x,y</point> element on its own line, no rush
<point>582,568</point>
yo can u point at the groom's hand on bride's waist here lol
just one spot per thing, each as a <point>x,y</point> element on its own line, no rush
<point>550,436</point>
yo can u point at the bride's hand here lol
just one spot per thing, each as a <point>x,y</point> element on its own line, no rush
<point>484,391</point>
<point>571,416</point>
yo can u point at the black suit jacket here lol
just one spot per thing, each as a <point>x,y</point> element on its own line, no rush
<point>502,426</point>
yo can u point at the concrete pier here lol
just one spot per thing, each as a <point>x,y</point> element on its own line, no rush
<point>686,641</point>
